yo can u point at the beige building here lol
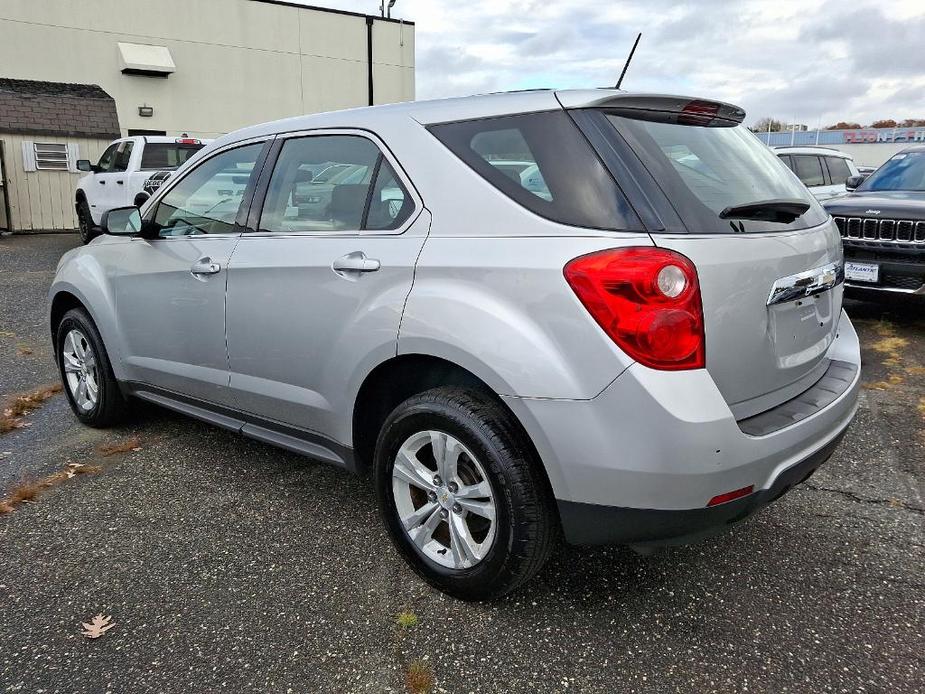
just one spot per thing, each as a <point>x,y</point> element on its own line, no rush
<point>202,67</point>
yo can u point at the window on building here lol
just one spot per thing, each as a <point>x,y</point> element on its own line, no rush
<point>50,156</point>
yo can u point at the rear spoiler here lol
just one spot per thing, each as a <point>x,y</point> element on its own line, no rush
<point>663,108</point>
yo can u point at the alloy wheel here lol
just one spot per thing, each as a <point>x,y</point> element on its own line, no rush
<point>444,500</point>
<point>81,370</point>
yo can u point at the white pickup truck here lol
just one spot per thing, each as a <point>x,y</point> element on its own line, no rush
<point>128,173</point>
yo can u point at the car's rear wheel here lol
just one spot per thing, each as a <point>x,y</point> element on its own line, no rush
<point>85,222</point>
<point>86,372</point>
<point>461,495</point>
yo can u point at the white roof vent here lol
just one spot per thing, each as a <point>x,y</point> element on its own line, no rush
<point>143,59</point>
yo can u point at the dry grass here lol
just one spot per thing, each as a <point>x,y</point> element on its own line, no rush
<point>29,490</point>
<point>21,405</point>
<point>419,678</point>
<point>24,350</point>
<point>124,446</point>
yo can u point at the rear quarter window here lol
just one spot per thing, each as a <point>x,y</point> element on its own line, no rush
<point>542,162</point>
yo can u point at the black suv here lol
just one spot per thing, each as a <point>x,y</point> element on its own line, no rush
<point>882,225</point>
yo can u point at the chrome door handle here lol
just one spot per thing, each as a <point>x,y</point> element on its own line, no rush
<point>205,266</point>
<point>355,262</point>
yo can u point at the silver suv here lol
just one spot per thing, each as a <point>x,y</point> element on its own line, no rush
<point>610,315</point>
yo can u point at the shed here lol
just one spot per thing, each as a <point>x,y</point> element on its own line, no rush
<point>45,127</point>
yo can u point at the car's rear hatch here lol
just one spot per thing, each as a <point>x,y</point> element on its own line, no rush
<point>769,273</point>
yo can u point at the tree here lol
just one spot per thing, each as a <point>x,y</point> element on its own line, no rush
<point>885,123</point>
<point>761,126</point>
<point>842,125</point>
<point>912,123</point>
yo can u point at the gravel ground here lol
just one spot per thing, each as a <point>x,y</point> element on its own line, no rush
<point>228,565</point>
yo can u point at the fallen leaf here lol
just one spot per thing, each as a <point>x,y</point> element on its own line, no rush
<point>73,469</point>
<point>98,626</point>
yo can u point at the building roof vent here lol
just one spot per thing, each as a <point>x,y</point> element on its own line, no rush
<point>144,59</point>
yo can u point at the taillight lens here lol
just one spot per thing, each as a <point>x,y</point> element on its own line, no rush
<point>647,300</point>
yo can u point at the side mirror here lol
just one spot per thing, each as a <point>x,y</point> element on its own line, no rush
<point>122,221</point>
<point>84,165</point>
<point>853,182</point>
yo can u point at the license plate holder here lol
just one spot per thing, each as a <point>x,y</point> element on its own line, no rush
<point>862,272</point>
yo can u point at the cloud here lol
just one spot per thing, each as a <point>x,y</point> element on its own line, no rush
<point>796,60</point>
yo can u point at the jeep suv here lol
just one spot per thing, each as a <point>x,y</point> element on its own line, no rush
<point>882,225</point>
<point>639,341</point>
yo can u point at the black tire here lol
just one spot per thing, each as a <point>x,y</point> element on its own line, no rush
<point>111,406</point>
<point>525,511</point>
<point>85,222</point>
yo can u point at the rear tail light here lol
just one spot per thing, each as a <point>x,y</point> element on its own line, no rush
<point>647,300</point>
<point>187,141</point>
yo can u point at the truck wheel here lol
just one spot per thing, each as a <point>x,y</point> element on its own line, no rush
<point>461,495</point>
<point>85,222</point>
<point>89,383</point>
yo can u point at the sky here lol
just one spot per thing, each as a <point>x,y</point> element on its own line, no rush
<point>797,61</point>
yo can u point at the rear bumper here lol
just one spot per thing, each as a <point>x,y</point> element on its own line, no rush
<point>639,463</point>
<point>590,524</point>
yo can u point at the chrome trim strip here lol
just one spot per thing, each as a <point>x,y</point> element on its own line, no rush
<point>808,283</point>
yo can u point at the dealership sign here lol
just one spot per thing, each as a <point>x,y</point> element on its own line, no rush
<point>853,137</point>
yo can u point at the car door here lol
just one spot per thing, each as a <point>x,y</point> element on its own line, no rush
<point>318,281</point>
<point>170,289</point>
<point>103,184</point>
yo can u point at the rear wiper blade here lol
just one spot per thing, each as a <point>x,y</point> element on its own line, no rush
<point>767,210</point>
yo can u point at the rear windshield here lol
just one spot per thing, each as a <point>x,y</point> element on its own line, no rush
<point>542,162</point>
<point>904,171</point>
<point>166,155</point>
<point>705,170</point>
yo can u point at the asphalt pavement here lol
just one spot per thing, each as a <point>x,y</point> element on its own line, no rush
<point>228,565</point>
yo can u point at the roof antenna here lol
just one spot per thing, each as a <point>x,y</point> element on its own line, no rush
<point>628,59</point>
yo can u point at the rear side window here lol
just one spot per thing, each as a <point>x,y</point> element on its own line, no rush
<point>706,170</point>
<point>541,161</point>
<point>838,169</point>
<point>333,183</point>
<point>166,155</point>
<point>809,169</point>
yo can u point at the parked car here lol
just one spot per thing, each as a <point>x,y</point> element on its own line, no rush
<point>127,173</point>
<point>821,169</point>
<point>643,350</point>
<point>882,225</point>
<point>865,171</point>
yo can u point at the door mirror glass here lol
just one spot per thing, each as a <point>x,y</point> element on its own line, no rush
<point>853,182</point>
<point>84,165</point>
<point>122,221</point>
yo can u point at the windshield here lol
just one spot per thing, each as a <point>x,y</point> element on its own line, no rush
<point>905,171</point>
<point>166,155</point>
<point>705,170</point>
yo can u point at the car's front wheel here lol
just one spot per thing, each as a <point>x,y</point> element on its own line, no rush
<point>461,494</point>
<point>85,222</point>
<point>91,387</point>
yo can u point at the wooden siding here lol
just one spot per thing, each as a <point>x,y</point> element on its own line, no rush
<point>41,200</point>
